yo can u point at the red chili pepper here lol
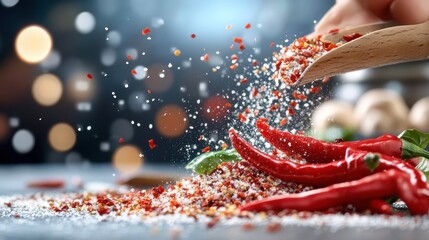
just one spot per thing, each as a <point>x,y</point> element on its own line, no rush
<point>317,151</point>
<point>352,166</point>
<point>351,37</point>
<point>410,186</point>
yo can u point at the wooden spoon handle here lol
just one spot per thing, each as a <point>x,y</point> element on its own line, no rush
<point>383,47</point>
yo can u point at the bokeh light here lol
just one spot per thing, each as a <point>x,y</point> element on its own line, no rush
<point>47,89</point>
<point>114,38</point>
<point>214,108</point>
<point>52,61</point>
<point>160,80</point>
<point>85,22</point>
<point>141,72</point>
<point>4,128</point>
<point>108,57</point>
<point>62,137</point>
<point>122,128</point>
<point>23,141</point>
<point>80,88</point>
<point>171,121</point>
<point>127,159</point>
<point>9,3</point>
<point>33,44</point>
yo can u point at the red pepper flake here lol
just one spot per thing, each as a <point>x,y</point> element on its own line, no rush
<point>290,111</point>
<point>292,104</point>
<point>244,80</point>
<point>298,95</point>
<point>152,144</point>
<point>300,133</point>
<point>283,122</point>
<point>233,66</point>
<point>156,191</point>
<point>272,44</point>
<point>335,30</point>
<point>246,111</point>
<point>255,63</point>
<point>206,57</point>
<point>121,140</point>
<point>274,227</point>
<point>149,91</point>
<point>247,26</point>
<point>315,90</point>
<point>224,146</point>
<point>237,40</point>
<point>277,93</point>
<point>228,105</point>
<point>193,35</point>
<point>133,72</point>
<point>206,149</point>
<point>326,79</point>
<point>242,47</point>
<point>242,118</point>
<point>16,215</point>
<point>248,227</point>
<point>254,92</point>
<point>234,57</point>
<point>328,46</point>
<point>174,203</point>
<point>145,31</point>
<point>200,138</point>
<point>8,204</point>
<point>129,57</point>
<point>89,76</point>
<point>103,209</point>
<point>231,47</point>
<point>213,222</point>
<point>352,36</point>
<point>274,107</point>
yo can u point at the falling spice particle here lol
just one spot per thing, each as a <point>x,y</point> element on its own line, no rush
<point>133,72</point>
<point>206,149</point>
<point>206,57</point>
<point>89,76</point>
<point>237,40</point>
<point>332,31</point>
<point>242,118</point>
<point>193,35</point>
<point>247,26</point>
<point>152,144</point>
<point>228,105</point>
<point>283,122</point>
<point>233,66</point>
<point>244,80</point>
<point>242,47</point>
<point>129,57</point>
<point>177,52</point>
<point>145,31</point>
<point>121,140</point>
<point>272,44</point>
<point>315,90</point>
<point>149,91</point>
<point>224,146</point>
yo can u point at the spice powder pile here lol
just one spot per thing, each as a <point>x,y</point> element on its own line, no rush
<point>218,194</point>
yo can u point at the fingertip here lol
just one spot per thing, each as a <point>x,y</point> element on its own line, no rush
<point>410,11</point>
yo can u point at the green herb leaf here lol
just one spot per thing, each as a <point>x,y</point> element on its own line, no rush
<point>415,137</point>
<point>423,166</point>
<point>414,143</point>
<point>207,162</point>
<point>371,161</point>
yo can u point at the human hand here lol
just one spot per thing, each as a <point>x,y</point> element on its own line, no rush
<point>349,13</point>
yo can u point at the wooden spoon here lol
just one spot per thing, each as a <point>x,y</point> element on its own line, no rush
<point>382,44</point>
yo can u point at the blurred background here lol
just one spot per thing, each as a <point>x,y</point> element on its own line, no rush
<point>83,82</point>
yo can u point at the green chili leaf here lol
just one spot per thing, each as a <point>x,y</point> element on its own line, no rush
<point>423,166</point>
<point>416,137</point>
<point>207,162</point>
<point>371,161</point>
<point>414,143</point>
